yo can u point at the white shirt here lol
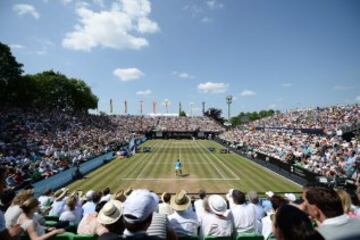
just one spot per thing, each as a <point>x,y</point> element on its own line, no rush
<point>68,216</point>
<point>266,225</point>
<point>12,214</point>
<point>57,208</point>
<point>260,213</point>
<point>26,223</point>
<point>89,207</point>
<point>106,198</point>
<point>199,208</point>
<point>164,208</point>
<point>44,201</point>
<point>244,217</point>
<point>184,223</point>
<point>78,213</point>
<point>213,225</point>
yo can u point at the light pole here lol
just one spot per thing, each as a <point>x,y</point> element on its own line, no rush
<point>203,108</point>
<point>167,103</point>
<point>191,109</point>
<point>141,107</point>
<point>229,101</point>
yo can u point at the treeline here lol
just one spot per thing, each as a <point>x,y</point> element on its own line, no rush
<point>46,90</point>
<point>246,117</point>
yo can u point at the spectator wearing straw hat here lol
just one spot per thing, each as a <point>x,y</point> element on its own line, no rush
<point>164,207</point>
<point>184,221</point>
<point>217,220</point>
<point>59,203</point>
<point>138,212</point>
<point>111,218</point>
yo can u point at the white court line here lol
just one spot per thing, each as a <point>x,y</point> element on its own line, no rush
<point>219,160</point>
<point>261,166</point>
<point>211,162</point>
<point>148,164</point>
<point>180,179</point>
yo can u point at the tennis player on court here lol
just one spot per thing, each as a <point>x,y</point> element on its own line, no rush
<point>178,167</point>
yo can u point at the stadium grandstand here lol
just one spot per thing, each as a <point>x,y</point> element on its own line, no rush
<point>97,149</point>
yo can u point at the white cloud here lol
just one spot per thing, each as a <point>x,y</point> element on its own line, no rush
<point>183,75</point>
<point>247,93</point>
<point>341,88</point>
<point>145,25</point>
<point>128,74</point>
<point>16,46</point>
<point>119,27</point>
<point>144,92</point>
<point>213,4</point>
<point>357,98</point>
<point>22,9</point>
<point>211,87</point>
<point>287,85</point>
<point>206,20</point>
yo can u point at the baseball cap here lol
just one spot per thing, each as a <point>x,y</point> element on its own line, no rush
<point>139,205</point>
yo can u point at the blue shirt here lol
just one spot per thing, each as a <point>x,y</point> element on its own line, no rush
<point>178,165</point>
<point>2,222</point>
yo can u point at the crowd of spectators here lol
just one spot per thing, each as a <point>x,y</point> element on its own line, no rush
<point>37,144</point>
<point>330,119</point>
<point>326,154</point>
<point>320,213</point>
<point>188,124</point>
<point>168,123</point>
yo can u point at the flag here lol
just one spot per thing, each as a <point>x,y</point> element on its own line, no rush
<point>111,106</point>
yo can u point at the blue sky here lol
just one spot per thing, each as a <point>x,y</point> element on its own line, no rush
<point>266,54</point>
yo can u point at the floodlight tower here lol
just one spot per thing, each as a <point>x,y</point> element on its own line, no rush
<point>167,103</point>
<point>229,101</point>
<point>203,108</point>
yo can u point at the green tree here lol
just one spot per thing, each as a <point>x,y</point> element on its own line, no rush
<point>235,121</point>
<point>215,114</point>
<point>10,73</point>
<point>56,91</point>
<point>182,114</point>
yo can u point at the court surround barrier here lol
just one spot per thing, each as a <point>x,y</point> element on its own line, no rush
<point>61,179</point>
<point>290,171</point>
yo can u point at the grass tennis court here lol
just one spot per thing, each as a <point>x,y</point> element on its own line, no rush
<point>214,172</point>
